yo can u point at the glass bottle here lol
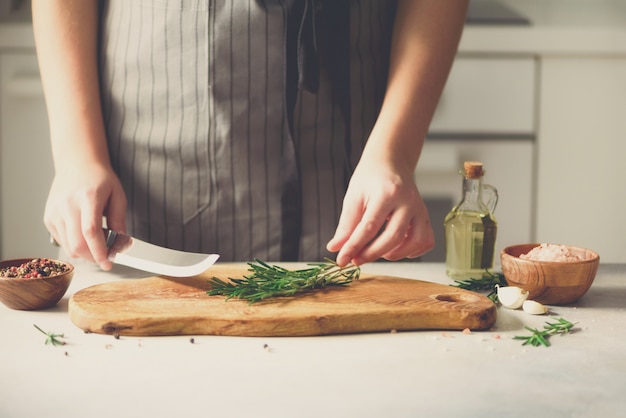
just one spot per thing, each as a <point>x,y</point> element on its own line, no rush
<point>471,228</point>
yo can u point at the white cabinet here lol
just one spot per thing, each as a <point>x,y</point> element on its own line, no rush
<point>488,95</point>
<point>581,192</point>
<point>563,186</point>
<point>25,159</point>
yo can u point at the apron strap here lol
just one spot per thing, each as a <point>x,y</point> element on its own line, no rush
<point>317,32</point>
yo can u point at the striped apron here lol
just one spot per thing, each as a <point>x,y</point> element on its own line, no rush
<point>234,125</point>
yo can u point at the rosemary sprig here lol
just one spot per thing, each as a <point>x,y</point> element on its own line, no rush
<point>51,337</point>
<point>540,337</point>
<point>266,281</point>
<point>488,282</point>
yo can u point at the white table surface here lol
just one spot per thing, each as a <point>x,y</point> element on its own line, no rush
<point>405,374</point>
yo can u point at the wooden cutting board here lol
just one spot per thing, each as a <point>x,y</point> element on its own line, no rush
<point>180,306</point>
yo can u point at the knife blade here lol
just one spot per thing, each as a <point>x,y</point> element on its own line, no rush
<point>141,255</point>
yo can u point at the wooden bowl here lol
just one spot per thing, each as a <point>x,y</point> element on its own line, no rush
<point>31,294</point>
<point>550,282</point>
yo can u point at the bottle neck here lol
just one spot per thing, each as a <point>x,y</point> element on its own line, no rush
<point>472,194</point>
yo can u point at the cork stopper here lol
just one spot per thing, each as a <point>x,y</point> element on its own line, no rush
<point>473,169</point>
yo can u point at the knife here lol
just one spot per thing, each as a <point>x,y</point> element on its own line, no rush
<point>132,252</point>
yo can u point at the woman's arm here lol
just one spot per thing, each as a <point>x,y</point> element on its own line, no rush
<point>85,187</point>
<point>382,191</point>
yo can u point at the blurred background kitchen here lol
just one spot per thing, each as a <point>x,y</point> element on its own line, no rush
<point>537,93</point>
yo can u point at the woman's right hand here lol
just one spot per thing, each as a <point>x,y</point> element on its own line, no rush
<point>79,198</point>
<point>85,188</point>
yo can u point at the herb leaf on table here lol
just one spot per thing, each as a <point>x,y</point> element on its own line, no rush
<point>540,337</point>
<point>51,338</point>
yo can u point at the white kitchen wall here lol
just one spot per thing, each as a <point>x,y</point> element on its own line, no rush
<point>25,160</point>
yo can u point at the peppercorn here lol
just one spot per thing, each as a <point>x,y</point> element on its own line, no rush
<point>36,268</point>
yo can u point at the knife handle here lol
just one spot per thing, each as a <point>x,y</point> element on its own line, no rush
<point>116,242</point>
<point>110,236</point>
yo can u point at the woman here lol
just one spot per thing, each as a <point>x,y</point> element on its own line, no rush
<point>267,129</point>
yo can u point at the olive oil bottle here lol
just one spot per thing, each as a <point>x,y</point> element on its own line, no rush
<point>471,228</point>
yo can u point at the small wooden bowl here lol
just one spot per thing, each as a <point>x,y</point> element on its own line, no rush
<point>550,282</point>
<point>31,294</point>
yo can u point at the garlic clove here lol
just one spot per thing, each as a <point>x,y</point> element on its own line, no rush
<point>512,297</point>
<point>534,308</point>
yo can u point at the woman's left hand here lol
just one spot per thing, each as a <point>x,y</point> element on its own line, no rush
<point>383,216</point>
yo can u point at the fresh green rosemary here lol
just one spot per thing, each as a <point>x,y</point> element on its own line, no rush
<point>540,337</point>
<point>51,337</point>
<point>266,281</point>
<point>487,282</point>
